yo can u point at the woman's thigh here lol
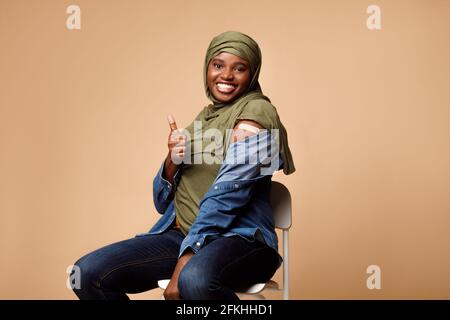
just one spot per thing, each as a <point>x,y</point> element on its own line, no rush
<point>132,265</point>
<point>233,262</point>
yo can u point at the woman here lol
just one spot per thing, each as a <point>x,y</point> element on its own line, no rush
<point>216,232</point>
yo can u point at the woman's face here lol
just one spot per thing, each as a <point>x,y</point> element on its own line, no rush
<point>228,76</point>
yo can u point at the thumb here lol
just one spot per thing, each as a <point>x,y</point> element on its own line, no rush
<point>172,123</point>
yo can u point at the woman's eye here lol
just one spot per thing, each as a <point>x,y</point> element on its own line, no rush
<point>217,66</point>
<point>240,68</point>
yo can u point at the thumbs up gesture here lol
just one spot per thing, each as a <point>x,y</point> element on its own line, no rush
<point>176,142</point>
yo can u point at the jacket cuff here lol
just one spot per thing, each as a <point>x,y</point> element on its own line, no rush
<point>193,242</point>
<point>167,186</point>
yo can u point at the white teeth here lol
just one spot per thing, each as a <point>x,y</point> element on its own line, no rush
<point>225,85</point>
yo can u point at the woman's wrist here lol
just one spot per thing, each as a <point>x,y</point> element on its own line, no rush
<point>169,169</point>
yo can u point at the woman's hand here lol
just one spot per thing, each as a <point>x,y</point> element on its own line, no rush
<point>172,292</point>
<point>176,142</point>
<point>177,148</point>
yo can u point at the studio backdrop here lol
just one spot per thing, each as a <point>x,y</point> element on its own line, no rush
<point>362,88</point>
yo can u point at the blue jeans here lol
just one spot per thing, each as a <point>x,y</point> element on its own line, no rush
<point>135,265</point>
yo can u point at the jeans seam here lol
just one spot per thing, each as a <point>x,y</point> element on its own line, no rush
<point>127,265</point>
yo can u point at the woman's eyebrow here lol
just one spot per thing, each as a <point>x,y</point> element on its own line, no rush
<point>236,63</point>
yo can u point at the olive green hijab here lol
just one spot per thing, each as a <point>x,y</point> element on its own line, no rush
<point>197,178</point>
<point>253,104</point>
<point>240,45</point>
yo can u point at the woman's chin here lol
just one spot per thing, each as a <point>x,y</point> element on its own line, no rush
<point>223,97</point>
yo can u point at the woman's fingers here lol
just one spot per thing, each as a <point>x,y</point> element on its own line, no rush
<point>177,154</point>
<point>172,123</point>
<point>179,150</point>
<point>178,138</point>
<point>177,141</point>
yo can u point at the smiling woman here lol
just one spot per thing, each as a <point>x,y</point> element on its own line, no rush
<point>228,76</point>
<point>216,233</point>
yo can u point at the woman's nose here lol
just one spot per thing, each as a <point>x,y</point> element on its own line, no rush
<point>227,74</point>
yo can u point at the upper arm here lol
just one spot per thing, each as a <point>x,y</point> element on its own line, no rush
<point>244,129</point>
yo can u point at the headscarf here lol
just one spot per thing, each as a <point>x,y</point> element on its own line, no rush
<point>257,104</point>
<point>240,45</point>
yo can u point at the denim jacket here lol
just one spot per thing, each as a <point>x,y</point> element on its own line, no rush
<point>238,201</point>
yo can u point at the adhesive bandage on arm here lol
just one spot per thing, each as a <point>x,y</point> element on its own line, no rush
<point>248,127</point>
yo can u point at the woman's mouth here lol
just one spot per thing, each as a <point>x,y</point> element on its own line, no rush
<point>225,88</point>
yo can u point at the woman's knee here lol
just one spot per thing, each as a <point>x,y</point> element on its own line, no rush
<point>194,283</point>
<point>86,272</point>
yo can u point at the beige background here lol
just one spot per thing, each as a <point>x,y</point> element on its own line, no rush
<point>83,130</point>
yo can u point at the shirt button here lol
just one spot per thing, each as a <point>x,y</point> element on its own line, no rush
<point>198,244</point>
<point>236,185</point>
<point>216,187</point>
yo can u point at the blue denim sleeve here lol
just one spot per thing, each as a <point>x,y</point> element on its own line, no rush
<point>163,190</point>
<point>246,162</point>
